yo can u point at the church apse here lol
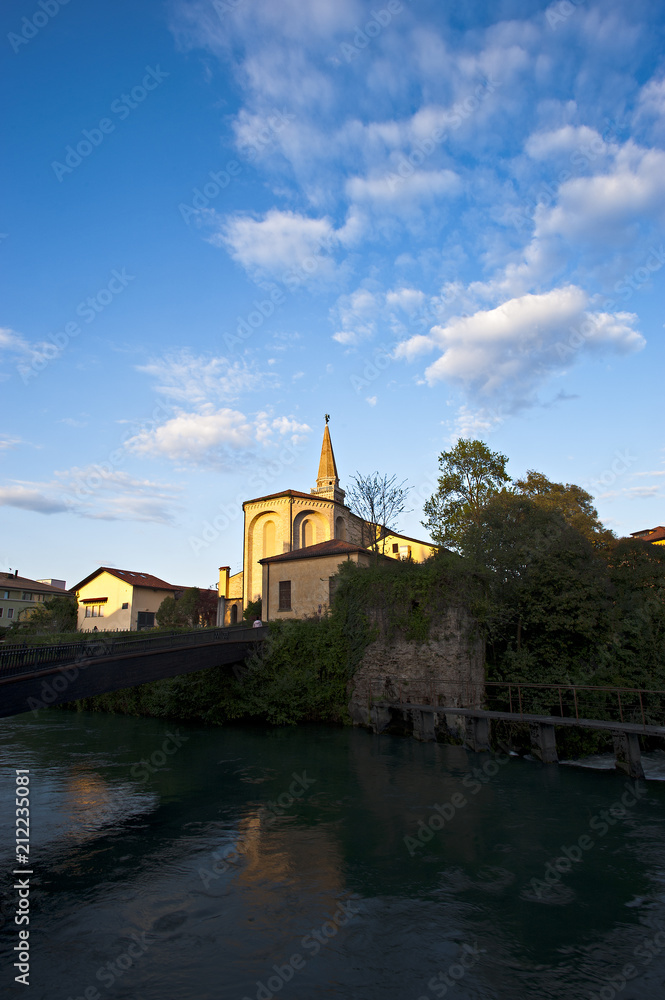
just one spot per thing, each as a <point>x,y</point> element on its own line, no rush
<point>310,527</point>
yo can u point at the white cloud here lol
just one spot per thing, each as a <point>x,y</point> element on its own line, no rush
<point>193,436</point>
<point>278,242</point>
<point>357,314</point>
<point>215,437</point>
<point>26,498</point>
<point>408,299</point>
<point>388,188</point>
<point>7,444</point>
<point>565,141</point>
<point>508,351</point>
<point>96,492</point>
<point>603,207</point>
<point>199,379</point>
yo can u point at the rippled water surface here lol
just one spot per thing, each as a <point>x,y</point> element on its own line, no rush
<point>163,872</point>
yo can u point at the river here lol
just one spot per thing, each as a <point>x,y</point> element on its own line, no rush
<point>176,862</point>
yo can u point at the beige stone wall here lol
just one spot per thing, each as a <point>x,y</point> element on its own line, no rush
<point>310,584</point>
<point>400,547</point>
<point>288,515</point>
<point>447,669</point>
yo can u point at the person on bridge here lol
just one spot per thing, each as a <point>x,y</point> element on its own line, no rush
<point>257,623</point>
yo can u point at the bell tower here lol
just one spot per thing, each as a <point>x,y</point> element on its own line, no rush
<point>327,481</point>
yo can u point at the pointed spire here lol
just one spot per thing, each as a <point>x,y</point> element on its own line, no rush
<point>327,466</point>
<point>327,481</point>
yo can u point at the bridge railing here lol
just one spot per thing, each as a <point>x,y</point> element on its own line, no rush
<point>26,659</point>
<point>578,701</point>
<point>572,701</point>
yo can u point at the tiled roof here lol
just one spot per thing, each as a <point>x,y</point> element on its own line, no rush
<point>650,534</point>
<point>334,547</point>
<point>10,582</point>
<point>407,538</point>
<point>132,578</point>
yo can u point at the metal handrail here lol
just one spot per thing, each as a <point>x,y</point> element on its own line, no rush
<point>25,659</point>
<point>435,698</point>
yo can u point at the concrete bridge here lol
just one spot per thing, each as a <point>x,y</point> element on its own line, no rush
<point>39,677</point>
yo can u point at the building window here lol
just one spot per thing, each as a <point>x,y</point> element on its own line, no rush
<point>284,595</point>
<point>125,606</point>
<point>307,533</point>
<point>5,595</point>
<point>145,619</point>
<point>10,612</point>
<point>26,596</point>
<point>94,611</point>
<point>2,611</point>
<point>395,547</point>
<point>332,587</point>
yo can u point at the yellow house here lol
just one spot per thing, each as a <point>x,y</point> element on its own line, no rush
<point>654,535</point>
<point>289,522</point>
<point>119,599</point>
<point>19,595</point>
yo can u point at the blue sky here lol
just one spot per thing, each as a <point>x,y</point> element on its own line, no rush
<point>223,220</point>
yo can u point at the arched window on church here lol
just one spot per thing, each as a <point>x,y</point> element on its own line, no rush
<point>234,614</point>
<point>340,529</point>
<point>269,539</point>
<point>307,533</point>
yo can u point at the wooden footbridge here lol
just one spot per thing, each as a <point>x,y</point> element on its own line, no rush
<point>633,712</point>
<point>35,677</point>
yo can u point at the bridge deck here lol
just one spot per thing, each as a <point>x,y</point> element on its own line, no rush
<point>31,686</point>
<point>549,720</point>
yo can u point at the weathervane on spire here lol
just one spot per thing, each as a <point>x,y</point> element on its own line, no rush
<point>327,417</point>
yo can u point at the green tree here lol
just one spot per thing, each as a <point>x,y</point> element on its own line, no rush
<point>548,592</point>
<point>194,608</point>
<point>59,614</point>
<point>253,610</point>
<point>574,503</point>
<point>636,652</point>
<point>470,475</point>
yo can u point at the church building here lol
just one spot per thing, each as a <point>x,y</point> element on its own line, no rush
<point>294,542</point>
